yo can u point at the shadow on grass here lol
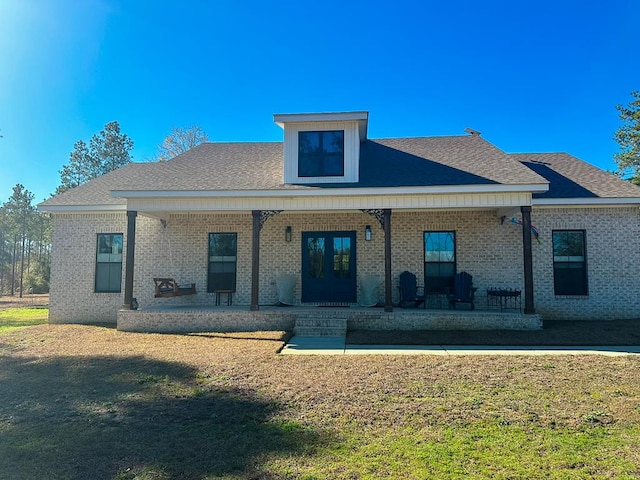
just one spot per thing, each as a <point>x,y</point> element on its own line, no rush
<point>277,336</point>
<point>554,333</point>
<point>126,418</point>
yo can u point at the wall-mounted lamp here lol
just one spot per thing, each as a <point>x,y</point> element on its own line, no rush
<point>287,234</point>
<point>367,233</point>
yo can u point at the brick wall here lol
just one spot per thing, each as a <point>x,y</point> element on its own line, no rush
<point>487,249</point>
<point>73,264</point>
<point>613,254</point>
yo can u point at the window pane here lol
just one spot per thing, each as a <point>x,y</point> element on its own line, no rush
<point>102,277</point>
<point>333,166</point>
<point>568,243</point>
<point>222,261</point>
<point>332,142</point>
<point>109,262</point>
<point>341,257</point>
<point>439,246</point>
<point>321,154</point>
<point>116,244</point>
<point>315,249</point>
<point>310,166</point>
<point>222,244</point>
<point>440,261</point>
<point>222,267</point>
<point>108,277</point>
<point>569,267</point>
<point>570,279</point>
<point>308,142</point>
<point>222,281</point>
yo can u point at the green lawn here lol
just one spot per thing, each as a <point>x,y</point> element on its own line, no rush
<point>81,402</point>
<point>13,318</point>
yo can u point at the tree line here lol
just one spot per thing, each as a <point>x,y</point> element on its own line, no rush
<point>25,233</point>
<point>25,245</point>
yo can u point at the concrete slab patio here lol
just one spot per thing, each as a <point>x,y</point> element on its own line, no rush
<point>302,345</point>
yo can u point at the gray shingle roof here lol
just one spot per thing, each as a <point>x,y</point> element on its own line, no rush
<point>425,161</point>
<point>571,177</point>
<point>454,160</point>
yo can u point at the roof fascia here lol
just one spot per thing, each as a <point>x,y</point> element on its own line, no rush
<point>585,202</point>
<point>81,208</point>
<point>321,192</point>
<point>282,118</point>
<point>361,117</point>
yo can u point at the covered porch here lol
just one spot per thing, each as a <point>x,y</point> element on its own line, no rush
<point>381,242</point>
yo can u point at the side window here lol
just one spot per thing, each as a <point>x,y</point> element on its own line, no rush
<point>109,263</point>
<point>321,154</point>
<point>569,262</point>
<point>439,261</point>
<point>223,248</point>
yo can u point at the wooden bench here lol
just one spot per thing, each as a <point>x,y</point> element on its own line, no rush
<point>168,287</point>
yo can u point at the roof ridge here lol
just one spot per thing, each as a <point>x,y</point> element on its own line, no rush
<point>424,136</point>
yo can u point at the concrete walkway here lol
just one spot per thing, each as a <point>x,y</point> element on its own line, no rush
<point>300,345</point>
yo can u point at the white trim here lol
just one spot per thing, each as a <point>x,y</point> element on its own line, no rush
<point>332,203</point>
<point>331,192</point>
<point>585,202</point>
<point>281,118</point>
<point>82,208</point>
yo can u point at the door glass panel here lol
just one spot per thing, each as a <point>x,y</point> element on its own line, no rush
<point>315,249</point>
<point>341,257</point>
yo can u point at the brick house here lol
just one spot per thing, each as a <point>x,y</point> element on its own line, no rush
<point>329,207</point>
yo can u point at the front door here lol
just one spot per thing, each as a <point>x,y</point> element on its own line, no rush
<point>329,267</point>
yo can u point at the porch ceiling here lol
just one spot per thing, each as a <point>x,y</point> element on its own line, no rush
<point>156,206</point>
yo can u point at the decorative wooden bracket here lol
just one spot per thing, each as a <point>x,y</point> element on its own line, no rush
<point>376,213</point>
<point>266,215</point>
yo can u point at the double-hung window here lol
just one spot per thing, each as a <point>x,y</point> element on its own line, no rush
<point>569,262</point>
<point>108,263</point>
<point>439,261</point>
<point>321,154</point>
<point>223,249</point>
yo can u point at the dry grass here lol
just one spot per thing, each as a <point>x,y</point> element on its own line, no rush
<point>89,402</point>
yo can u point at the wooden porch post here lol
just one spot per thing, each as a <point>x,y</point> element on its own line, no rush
<point>255,261</point>
<point>528,260</point>
<point>131,247</point>
<point>388,303</point>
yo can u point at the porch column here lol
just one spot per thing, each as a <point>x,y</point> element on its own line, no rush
<point>528,260</point>
<point>255,261</point>
<point>388,303</point>
<point>129,263</point>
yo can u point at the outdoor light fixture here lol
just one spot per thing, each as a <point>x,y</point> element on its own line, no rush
<point>287,234</point>
<point>367,233</point>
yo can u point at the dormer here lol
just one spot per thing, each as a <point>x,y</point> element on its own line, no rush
<point>322,147</point>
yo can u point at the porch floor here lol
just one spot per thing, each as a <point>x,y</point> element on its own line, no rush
<point>236,318</point>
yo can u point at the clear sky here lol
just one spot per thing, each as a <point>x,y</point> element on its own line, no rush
<point>531,76</point>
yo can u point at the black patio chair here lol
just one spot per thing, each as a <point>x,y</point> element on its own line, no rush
<point>463,290</point>
<point>409,296</point>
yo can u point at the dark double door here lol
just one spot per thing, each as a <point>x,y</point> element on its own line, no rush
<point>329,267</point>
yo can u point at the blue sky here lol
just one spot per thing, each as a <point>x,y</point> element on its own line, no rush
<point>531,76</point>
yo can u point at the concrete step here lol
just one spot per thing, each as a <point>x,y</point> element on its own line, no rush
<point>321,327</point>
<point>321,322</point>
<point>319,332</point>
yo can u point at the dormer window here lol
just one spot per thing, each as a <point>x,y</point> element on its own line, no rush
<point>322,147</point>
<point>321,153</point>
